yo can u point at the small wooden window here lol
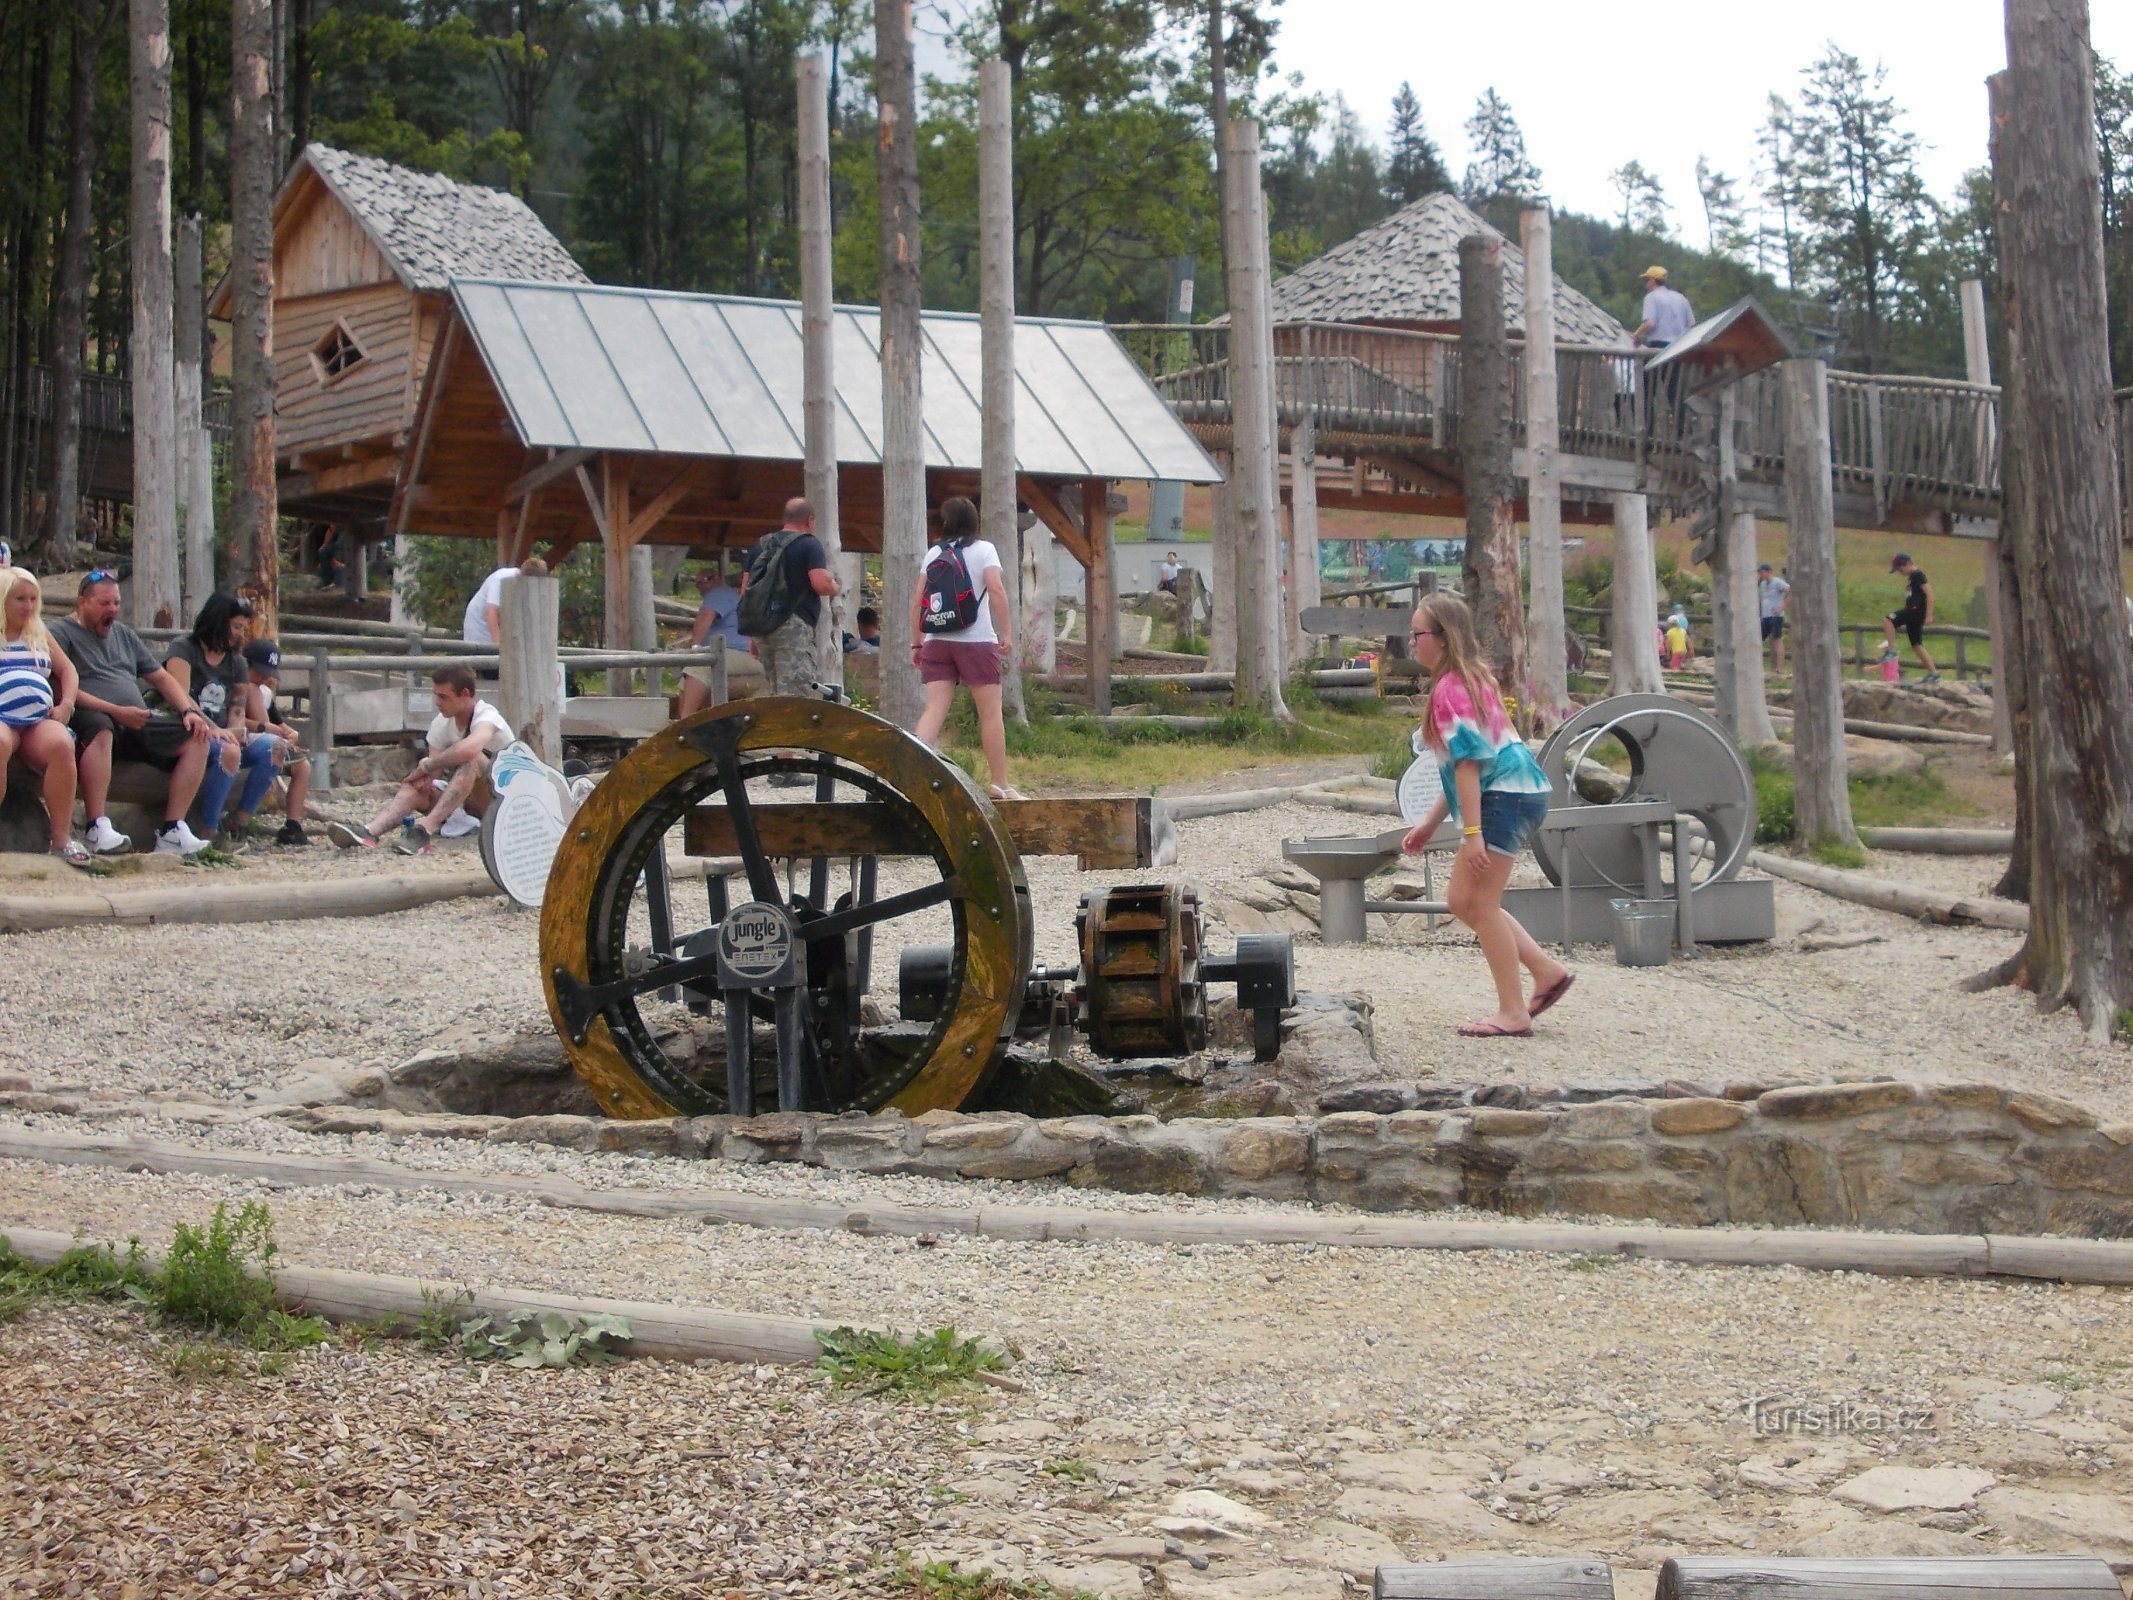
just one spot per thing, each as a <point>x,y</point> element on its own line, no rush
<point>336,355</point>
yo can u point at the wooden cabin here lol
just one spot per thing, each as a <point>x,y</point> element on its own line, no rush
<point>364,255</point>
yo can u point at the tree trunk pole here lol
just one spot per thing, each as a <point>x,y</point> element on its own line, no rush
<point>1977,367</point>
<point>1490,575</point>
<point>1303,515</point>
<point>2016,518</point>
<point>1546,649</point>
<point>254,516</point>
<point>153,596</point>
<point>1222,580</point>
<point>1751,701</point>
<point>70,315</point>
<point>196,468</point>
<point>818,405</point>
<point>1256,486</point>
<point>1726,666</point>
<point>644,615</point>
<point>903,467</point>
<point>615,568</point>
<point>1101,618</point>
<point>999,518</point>
<point>1634,663</point>
<point>1040,600</point>
<point>2080,945</point>
<point>1822,803</point>
<point>531,614</point>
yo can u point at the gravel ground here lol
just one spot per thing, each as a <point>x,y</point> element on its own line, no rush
<point>1341,1407</point>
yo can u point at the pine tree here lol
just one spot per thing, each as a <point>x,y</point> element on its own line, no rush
<point>1725,232</point>
<point>1501,169</point>
<point>1777,149</point>
<point>1644,207</point>
<point>1413,166</point>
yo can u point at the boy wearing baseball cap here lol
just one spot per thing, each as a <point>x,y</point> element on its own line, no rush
<point>262,666</point>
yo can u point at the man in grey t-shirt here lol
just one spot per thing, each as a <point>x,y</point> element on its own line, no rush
<point>1667,312</point>
<point>112,719</point>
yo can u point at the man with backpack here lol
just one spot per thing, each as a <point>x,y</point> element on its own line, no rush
<point>787,578</point>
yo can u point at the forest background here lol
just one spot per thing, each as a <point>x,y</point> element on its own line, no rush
<point>657,138</point>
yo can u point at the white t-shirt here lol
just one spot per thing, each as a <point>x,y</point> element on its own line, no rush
<point>444,732</point>
<point>474,626</point>
<point>1773,592</point>
<point>980,557</point>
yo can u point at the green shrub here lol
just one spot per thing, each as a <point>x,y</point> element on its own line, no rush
<point>442,575</point>
<point>1774,822</point>
<point>888,1363</point>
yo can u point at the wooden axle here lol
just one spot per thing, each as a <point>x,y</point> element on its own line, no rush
<point>1107,833</point>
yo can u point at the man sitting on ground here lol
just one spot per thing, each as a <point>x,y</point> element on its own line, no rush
<point>464,739</point>
<point>868,622</point>
<point>112,720</point>
<point>262,662</point>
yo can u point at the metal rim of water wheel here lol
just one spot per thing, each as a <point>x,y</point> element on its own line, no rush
<point>610,840</point>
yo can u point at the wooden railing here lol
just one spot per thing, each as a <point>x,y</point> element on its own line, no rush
<point>107,404</point>
<point>1898,441</point>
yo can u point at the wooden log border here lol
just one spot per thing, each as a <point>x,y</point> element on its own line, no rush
<point>2063,1260</point>
<point>264,902</point>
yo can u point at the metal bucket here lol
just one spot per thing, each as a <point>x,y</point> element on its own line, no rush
<point>1644,932</point>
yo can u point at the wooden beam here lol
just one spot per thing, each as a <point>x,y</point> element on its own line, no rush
<point>1102,613</point>
<point>663,502</point>
<point>560,463</point>
<point>1104,832</point>
<point>432,403</point>
<point>337,480</point>
<point>594,501</point>
<point>1053,515</point>
<point>614,518</point>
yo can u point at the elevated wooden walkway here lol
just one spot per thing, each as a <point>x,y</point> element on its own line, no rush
<point>1908,454</point>
<point>106,432</point>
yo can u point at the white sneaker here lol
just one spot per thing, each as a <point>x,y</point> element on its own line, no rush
<point>106,840</point>
<point>179,840</point>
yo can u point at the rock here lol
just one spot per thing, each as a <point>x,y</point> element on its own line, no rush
<point>1965,707</point>
<point>1697,1116</point>
<point>2046,1113</point>
<point>2061,1522</point>
<point>1440,1514</point>
<point>1231,1516</point>
<point>1381,1098</point>
<point>464,1069</point>
<point>1491,1123</point>
<point>1544,1477</point>
<point>1139,1549</point>
<point>1882,758</point>
<point>1263,1148</point>
<point>1817,1101</point>
<point>322,1082</point>
<point>1914,1488</point>
<point>2021,1402</point>
<point>976,1134</point>
<point>1794,1475</point>
<point>1346,1548</point>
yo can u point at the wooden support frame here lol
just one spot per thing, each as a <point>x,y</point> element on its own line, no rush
<point>1054,516</point>
<point>1102,614</point>
<point>1105,833</point>
<point>560,464</point>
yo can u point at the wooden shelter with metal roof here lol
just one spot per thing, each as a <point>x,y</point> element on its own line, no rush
<point>559,412</point>
<point>364,255</point>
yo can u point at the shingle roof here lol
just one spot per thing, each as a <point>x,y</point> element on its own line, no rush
<point>1406,269</point>
<point>656,371</point>
<point>434,230</point>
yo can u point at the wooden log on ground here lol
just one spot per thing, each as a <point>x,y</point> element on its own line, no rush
<point>1185,807</point>
<point>1106,832</point>
<point>1940,841</point>
<point>1861,889</point>
<point>677,1333</point>
<point>266,902</point>
<point>1496,1578</point>
<point>1886,1578</point>
<point>2108,1261</point>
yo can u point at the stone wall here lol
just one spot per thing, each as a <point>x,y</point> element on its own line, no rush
<point>1920,1158</point>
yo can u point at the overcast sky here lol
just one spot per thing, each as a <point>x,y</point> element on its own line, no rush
<point>1595,86</point>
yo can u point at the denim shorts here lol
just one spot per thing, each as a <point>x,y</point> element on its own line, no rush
<point>1509,820</point>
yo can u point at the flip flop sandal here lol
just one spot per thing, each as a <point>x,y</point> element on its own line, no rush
<point>1489,1030</point>
<point>1554,992</point>
<point>74,853</point>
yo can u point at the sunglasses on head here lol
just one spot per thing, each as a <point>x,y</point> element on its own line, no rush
<point>96,575</point>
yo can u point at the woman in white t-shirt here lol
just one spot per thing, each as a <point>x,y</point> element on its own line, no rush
<point>968,655</point>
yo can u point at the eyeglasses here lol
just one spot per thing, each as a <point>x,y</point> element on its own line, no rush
<point>1434,633</point>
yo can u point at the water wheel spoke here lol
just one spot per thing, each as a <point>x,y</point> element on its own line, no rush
<point>839,923</point>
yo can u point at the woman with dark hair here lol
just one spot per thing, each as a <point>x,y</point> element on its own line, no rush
<point>209,665</point>
<point>1490,782</point>
<point>960,633</point>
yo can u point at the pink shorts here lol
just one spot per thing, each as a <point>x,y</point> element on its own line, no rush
<point>943,661</point>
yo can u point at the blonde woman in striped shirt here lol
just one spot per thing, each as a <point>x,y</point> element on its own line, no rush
<point>36,701</point>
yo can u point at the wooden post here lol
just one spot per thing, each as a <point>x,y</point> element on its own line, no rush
<point>615,553</point>
<point>153,597</point>
<point>1256,493</point>
<point>2079,766</point>
<point>1634,664</point>
<point>1977,367</point>
<point>254,170</point>
<point>1822,805</point>
<point>644,617</point>
<point>355,563</point>
<point>1040,599</point>
<point>818,405</point>
<point>1222,618</point>
<point>1101,617</point>
<point>1303,511</point>
<point>1490,575</point>
<point>531,609</point>
<point>196,467</point>
<point>1546,653</point>
<point>1751,704</point>
<point>996,312</point>
<point>1725,654</point>
<point>903,467</point>
<point>320,736</point>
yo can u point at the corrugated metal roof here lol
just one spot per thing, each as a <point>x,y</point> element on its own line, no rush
<point>651,371</point>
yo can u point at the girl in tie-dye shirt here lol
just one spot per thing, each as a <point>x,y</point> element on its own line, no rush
<point>1498,793</point>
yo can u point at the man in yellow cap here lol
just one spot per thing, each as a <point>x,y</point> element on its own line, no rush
<point>1667,314</point>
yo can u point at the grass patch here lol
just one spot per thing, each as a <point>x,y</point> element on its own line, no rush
<point>937,1580</point>
<point>1073,1468</point>
<point>918,1367</point>
<point>1835,853</point>
<point>1882,800</point>
<point>1591,1263</point>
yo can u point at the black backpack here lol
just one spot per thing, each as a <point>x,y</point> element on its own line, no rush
<point>951,604</point>
<point>766,594</point>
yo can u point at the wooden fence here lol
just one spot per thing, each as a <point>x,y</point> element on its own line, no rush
<point>1867,637</point>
